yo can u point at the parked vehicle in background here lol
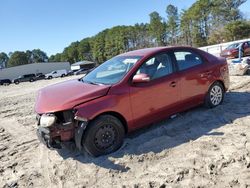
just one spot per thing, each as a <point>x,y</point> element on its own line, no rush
<point>232,51</point>
<point>40,76</point>
<point>81,71</point>
<point>70,73</point>
<point>56,74</point>
<point>128,92</point>
<point>25,78</point>
<point>5,82</point>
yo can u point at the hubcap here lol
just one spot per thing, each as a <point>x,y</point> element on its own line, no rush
<point>105,137</point>
<point>216,95</point>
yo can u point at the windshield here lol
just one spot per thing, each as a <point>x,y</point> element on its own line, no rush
<point>233,46</point>
<point>111,71</point>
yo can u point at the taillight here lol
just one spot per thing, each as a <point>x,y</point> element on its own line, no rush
<point>224,69</point>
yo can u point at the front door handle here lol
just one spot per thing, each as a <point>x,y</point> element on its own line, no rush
<point>173,84</point>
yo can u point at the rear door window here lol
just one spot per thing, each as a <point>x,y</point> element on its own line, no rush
<point>187,59</point>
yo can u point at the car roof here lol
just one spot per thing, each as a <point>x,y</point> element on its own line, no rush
<point>148,51</point>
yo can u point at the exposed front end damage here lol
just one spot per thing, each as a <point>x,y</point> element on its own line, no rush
<point>60,128</point>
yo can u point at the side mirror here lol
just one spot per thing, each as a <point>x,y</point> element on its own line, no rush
<point>141,78</point>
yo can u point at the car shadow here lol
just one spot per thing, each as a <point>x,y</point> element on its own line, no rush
<point>185,127</point>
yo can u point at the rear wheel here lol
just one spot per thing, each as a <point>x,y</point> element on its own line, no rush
<point>63,75</point>
<point>103,135</point>
<point>215,95</point>
<point>50,77</point>
<point>31,80</point>
<point>16,82</point>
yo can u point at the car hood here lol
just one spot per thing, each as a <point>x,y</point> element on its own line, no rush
<point>66,95</point>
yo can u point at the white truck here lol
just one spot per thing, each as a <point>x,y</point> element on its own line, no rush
<point>55,74</point>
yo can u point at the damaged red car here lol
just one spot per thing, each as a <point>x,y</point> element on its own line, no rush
<point>127,92</point>
<point>232,51</point>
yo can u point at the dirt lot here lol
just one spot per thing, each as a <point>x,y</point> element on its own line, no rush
<point>198,148</point>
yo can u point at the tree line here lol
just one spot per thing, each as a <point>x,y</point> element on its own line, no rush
<point>206,22</point>
<point>22,58</point>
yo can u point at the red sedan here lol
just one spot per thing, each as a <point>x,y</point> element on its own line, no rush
<point>232,51</point>
<point>127,92</point>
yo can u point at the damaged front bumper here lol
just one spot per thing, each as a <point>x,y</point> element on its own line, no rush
<point>43,135</point>
<point>65,131</point>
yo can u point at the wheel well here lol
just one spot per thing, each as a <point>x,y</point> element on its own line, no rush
<point>119,116</point>
<point>222,83</point>
<point>219,81</point>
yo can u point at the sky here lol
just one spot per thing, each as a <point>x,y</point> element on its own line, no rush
<point>51,25</point>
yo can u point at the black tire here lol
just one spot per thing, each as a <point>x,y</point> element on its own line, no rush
<point>103,135</point>
<point>31,80</point>
<point>63,75</point>
<point>16,82</point>
<point>248,72</point>
<point>50,77</point>
<point>215,95</point>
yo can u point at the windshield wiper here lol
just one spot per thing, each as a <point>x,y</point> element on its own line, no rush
<point>93,83</point>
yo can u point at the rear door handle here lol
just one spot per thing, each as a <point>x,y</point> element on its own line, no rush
<point>173,84</point>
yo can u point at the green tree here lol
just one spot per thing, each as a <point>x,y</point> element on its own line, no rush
<point>199,13</point>
<point>205,22</point>
<point>39,56</point>
<point>157,28</point>
<point>36,56</point>
<point>84,50</point>
<point>55,58</point>
<point>29,56</point>
<point>116,41</point>
<point>186,26</point>
<point>18,58</point>
<point>99,47</point>
<point>71,53</point>
<point>3,59</point>
<point>237,30</point>
<point>172,23</point>
<point>225,11</point>
<point>138,36</point>
<point>217,36</point>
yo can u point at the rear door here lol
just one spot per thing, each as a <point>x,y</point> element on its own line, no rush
<point>158,98</point>
<point>195,76</point>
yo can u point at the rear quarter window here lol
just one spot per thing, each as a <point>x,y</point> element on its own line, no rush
<point>186,60</point>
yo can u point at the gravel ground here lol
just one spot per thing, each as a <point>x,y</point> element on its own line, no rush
<point>199,148</point>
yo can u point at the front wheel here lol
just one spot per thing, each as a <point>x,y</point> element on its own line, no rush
<point>215,95</point>
<point>103,135</point>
